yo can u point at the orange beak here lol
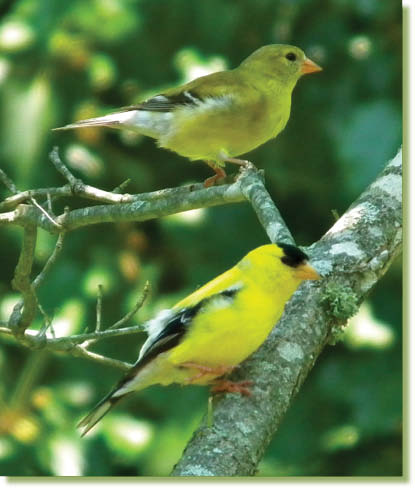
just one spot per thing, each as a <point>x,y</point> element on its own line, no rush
<point>310,67</point>
<point>307,272</point>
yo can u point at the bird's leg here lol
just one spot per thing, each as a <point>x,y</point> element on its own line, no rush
<point>204,370</point>
<point>237,161</point>
<point>229,386</point>
<point>219,173</point>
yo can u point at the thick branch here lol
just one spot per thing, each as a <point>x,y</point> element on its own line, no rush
<point>352,256</point>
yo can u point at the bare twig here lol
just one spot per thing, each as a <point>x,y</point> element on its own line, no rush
<point>98,324</point>
<point>20,197</point>
<point>36,204</point>
<point>8,182</point>
<point>117,326</point>
<point>61,168</point>
<point>47,323</point>
<point>120,188</point>
<point>79,351</point>
<point>138,305</point>
<point>49,202</point>
<point>50,262</point>
<point>73,345</point>
<point>34,341</point>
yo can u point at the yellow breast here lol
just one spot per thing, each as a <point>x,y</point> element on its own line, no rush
<point>227,336</point>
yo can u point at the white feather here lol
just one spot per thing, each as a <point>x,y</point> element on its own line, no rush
<point>149,123</point>
<point>209,103</point>
<point>154,327</point>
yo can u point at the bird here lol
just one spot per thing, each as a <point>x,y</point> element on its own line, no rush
<point>220,116</point>
<point>211,331</point>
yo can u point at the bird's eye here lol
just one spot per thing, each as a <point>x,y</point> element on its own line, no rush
<point>291,56</point>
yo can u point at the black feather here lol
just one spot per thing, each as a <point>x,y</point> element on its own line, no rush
<point>293,256</point>
<point>166,103</point>
<point>171,335</point>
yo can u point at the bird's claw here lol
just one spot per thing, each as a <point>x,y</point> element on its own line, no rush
<point>205,370</point>
<point>229,386</point>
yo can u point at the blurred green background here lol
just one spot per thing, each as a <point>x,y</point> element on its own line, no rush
<point>65,60</point>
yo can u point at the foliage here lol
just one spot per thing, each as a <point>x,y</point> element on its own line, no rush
<point>61,61</point>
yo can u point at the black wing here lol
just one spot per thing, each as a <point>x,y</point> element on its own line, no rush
<point>166,103</point>
<point>177,326</point>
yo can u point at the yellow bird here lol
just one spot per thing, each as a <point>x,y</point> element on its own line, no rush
<point>220,116</point>
<point>210,332</point>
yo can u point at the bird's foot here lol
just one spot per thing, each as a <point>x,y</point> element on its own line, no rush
<point>219,174</point>
<point>204,370</point>
<point>228,386</point>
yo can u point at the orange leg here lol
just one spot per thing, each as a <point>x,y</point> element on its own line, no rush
<point>219,173</point>
<point>228,386</point>
<point>204,370</point>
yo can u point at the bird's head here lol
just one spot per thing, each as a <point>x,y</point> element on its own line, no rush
<point>280,61</point>
<point>278,266</point>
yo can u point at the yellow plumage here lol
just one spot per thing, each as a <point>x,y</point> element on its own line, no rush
<point>222,115</point>
<point>215,328</point>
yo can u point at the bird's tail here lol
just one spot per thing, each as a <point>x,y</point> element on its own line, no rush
<point>99,411</point>
<point>109,120</point>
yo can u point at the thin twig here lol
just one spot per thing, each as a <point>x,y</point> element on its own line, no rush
<point>98,324</point>
<point>117,326</point>
<point>20,197</point>
<point>46,324</point>
<point>51,260</point>
<point>36,204</point>
<point>33,340</point>
<point>79,351</point>
<point>47,320</point>
<point>61,168</point>
<point>121,186</point>
<point>49,203</point>
<point>138,305</point>
<point>96,335</point>
<point>8,182</point>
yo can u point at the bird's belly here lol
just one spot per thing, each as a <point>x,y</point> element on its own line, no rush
<point>205,136</point>
<point>226,339</point>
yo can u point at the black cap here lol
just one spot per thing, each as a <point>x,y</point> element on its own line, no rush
<point>293,256</point>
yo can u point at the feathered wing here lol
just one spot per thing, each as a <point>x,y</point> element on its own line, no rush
<point>165,332</point>
<point>192,94</point>
<point>168,337</point>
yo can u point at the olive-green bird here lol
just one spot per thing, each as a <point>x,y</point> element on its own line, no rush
<point>220,116</point>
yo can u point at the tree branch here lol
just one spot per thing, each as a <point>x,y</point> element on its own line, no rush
<point>25,310</point>
<point>352,256</point>
<point>269,216</point>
